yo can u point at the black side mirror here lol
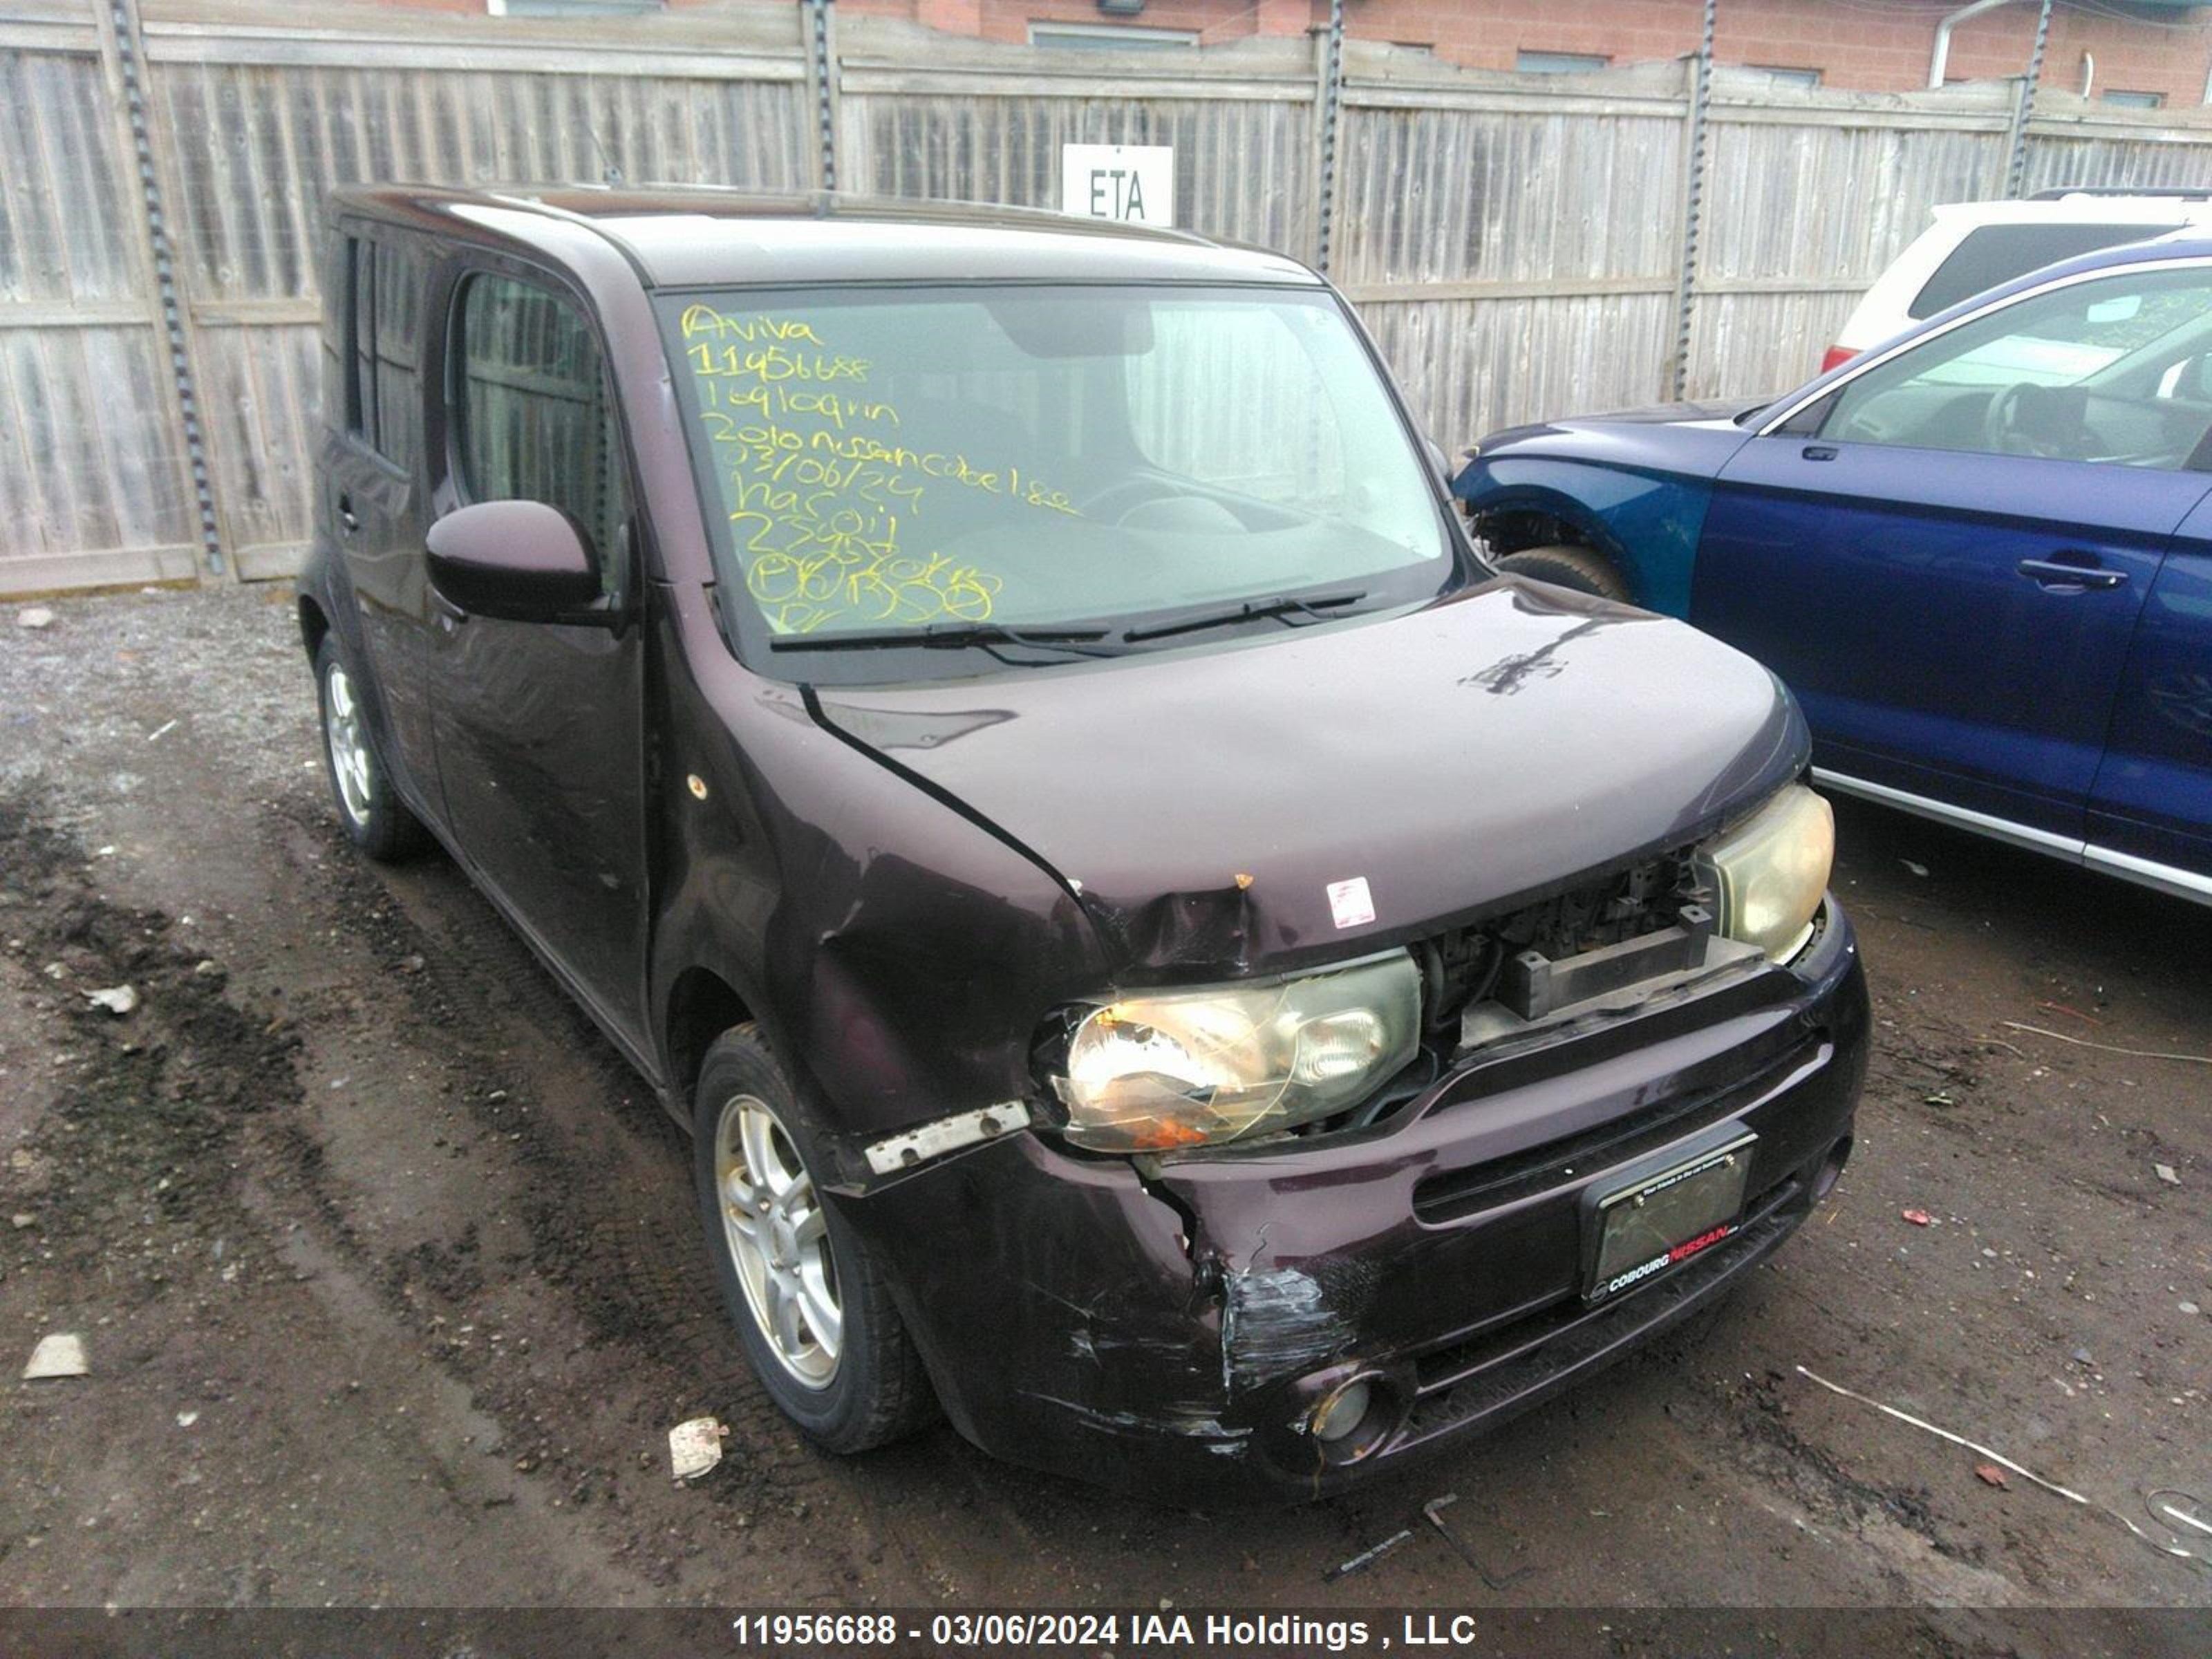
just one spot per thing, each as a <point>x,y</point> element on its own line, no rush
<point>516,561</point>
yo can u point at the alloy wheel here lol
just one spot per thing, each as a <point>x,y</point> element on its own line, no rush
<point>779,1240</point>
<point>349,743</point>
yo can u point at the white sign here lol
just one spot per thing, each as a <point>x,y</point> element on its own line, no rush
<point>1134,182</point>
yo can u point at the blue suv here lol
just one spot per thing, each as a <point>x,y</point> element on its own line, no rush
<point>1981,555</point>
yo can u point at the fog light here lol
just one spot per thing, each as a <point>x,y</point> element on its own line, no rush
<point>1340,1413</point>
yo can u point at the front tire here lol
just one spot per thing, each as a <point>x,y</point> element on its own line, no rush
<point>810,1300</point>
<point>374,817</point>
<point>1579,568</point>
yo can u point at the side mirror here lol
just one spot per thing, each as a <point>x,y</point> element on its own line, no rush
<point>514,561</point>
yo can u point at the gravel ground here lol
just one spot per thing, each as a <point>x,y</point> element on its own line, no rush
<point>386,1271</point>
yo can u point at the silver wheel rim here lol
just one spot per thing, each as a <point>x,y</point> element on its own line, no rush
<point>779,1240</point>
<point>347,742</point>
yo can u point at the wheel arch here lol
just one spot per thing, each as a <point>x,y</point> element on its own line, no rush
<point>701,1005</point>
<point>1647,526</point>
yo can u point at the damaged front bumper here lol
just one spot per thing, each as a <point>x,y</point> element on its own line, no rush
<point>1173,1329</point>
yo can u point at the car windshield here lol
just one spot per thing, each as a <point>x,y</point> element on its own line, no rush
<point>1000,460</point>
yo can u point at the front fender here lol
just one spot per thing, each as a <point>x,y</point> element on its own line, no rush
<point>1648,523</point>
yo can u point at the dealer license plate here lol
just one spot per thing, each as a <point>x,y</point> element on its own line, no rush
<point>1654,1220</point>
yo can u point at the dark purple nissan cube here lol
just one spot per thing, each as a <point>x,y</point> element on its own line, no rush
<point>1168,960</point>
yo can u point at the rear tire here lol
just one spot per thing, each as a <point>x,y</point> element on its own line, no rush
<point>810,1299</point>
<point>373,816</point>
<point>1580,569</point>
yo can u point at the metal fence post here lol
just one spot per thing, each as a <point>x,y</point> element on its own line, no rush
<point>2023,109</point>
<point>821,70</point>
<point>122,39</point>
<point>1328,99</point>
<point>1693,186</point>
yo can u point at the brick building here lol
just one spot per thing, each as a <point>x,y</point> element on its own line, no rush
<point>2142,52</point>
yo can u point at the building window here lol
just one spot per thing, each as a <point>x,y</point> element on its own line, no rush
<point>1789,77</point>
<point>568,8</point>
<point>1109,37</point>
<point>2134,100</point>
<point>1559,63</point>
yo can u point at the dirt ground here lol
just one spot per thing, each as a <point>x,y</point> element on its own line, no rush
<point>387,1274</point>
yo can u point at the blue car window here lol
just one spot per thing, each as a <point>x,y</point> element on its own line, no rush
<point>2107,370</point>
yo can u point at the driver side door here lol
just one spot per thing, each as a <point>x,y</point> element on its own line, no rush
<point>1945,557</point>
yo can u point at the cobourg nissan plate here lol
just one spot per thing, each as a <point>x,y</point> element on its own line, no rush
<point>1655,1216</point>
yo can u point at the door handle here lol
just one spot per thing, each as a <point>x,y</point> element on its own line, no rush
<point>347,521</point>
<point>2060,575</point>
<point>1819,452</point>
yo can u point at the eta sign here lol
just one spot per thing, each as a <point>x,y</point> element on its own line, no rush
<point>1130,182</point>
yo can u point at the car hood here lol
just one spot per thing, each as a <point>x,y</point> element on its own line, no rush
<point>1213,808</point>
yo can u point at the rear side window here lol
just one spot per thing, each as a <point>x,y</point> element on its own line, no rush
<point>361,340</point>
<point>532,410</point>
<point>383,399</point>
<point>1997,253</point>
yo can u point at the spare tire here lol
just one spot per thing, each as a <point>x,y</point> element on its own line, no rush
<point>1581,568</point>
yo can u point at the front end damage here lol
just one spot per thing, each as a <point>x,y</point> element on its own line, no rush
<point>1278,1319</point>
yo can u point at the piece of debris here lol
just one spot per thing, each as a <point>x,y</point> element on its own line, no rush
<point>694,1447</point>
<point>2002,1461</point>
<point>118,999</point>
<point>61,1354</point>
<point>1920,870</point>
<point>21,1219</point>
<point>2188,1308</point>
<point>1940,1098</point>
<point>186,1419</point>
<point>2167,1174</point>
<point>2186,1517</point>
<point>160,732</point>
<point>2082,1356</point>
<point>1990,1475</point>
<point>2107,1048</point>
<point>37,616</point>
<point>1368,1557</point>
<point>1918,1218</point>
<point>1433,1511</point>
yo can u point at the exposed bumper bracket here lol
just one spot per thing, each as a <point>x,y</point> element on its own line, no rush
<point>947,1134</point>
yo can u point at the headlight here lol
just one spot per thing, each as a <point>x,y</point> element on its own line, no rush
<point>1770,871</point>
<point>1206,1066</point>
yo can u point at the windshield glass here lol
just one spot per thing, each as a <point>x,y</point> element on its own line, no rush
<point>1029,458</point>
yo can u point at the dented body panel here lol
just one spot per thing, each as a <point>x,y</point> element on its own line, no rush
<point>1467,755</point>
<point>1164,1330</point>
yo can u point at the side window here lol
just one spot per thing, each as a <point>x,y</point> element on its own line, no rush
<point>361,336</point>
<point>533,412</point>
<point>2086,372</point>
<point>383,399</point>
<point>398,284</point>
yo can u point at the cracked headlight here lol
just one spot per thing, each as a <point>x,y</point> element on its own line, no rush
<point>1771,872</point>
<point>1192,1067</point>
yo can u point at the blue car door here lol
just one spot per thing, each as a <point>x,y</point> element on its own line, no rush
<point>2150,814</point>
<point>1946,555</point>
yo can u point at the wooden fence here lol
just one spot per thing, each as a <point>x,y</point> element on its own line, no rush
<point>1516,242</point>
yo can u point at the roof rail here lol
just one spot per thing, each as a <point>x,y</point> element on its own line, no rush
<point>2182,192</point>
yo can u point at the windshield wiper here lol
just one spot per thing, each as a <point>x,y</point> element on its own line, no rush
<point>946,636</point>
<point>1312,606</point>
